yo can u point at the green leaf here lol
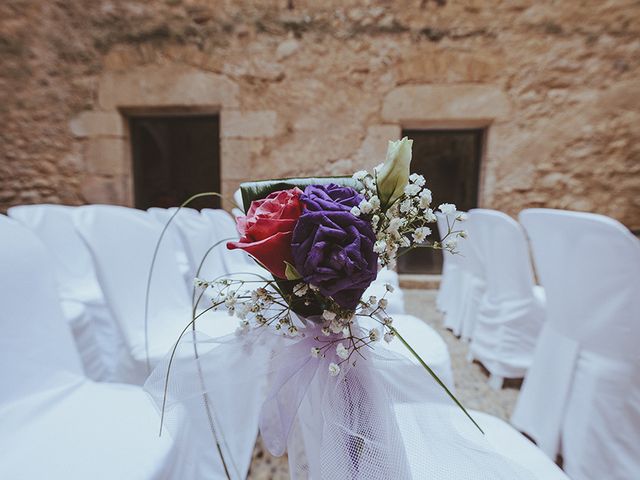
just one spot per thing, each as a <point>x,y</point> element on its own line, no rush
<point>290,272</point>
<point>258,190</point>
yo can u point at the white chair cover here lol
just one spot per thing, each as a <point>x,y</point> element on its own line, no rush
<point>427,343</point>
<point>581,396</point>
<point>226,261</point>
<point>56,424</point>
<point>455,281</point>
<point>163,215</point>
<point>473,279</point>
<point>512,309</point>
<point>122,242</point>
<point>450,272</point>
<point>94,330</point>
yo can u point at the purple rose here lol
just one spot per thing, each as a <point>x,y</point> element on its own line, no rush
<point>320,198</point>
<point>333,249</point>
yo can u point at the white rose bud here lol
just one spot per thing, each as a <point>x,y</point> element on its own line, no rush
<point>394,174</point>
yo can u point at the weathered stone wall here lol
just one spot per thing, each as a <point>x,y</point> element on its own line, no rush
<point>318,89</point>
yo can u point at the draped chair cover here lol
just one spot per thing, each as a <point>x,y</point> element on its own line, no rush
<point>581,396</point>
<point>228,262</point>
<point>94,330</point>
<point>56,423</point>
<point>457,279</point>
<point>512,309</point>
<point>450,273</point>
<point>163,215</point>
<point>122,242</point>
<point>473,283</point>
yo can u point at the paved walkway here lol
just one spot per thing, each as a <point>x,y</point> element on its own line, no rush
<point>471,384</point>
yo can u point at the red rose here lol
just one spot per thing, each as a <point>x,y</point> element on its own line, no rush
<point>267,228</point>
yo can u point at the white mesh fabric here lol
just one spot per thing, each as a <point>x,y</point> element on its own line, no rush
<point>384,418</point>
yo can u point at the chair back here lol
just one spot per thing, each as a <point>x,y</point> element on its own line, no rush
<point>502,245</point>
<point>196,235</point>
<point>122,243</point>
<point>71,259</point>
<point>589,265</point>
<point>37,351</point>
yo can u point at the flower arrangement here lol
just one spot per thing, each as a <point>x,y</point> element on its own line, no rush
<point>324,244</point>
<point>307,324</point>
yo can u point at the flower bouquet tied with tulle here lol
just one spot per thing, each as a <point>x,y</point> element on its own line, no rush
<point>312,355</point>
<point>324,244</point>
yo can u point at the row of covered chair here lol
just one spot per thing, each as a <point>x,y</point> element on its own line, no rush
<point>572,337</point>
<point>71,420</point>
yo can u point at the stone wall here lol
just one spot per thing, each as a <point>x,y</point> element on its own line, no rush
<point>321,87</point>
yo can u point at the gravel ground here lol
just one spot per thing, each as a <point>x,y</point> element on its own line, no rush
<point>470,379</point>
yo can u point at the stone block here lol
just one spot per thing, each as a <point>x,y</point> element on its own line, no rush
<point>374,146</point>
<point>248,124</point>
<point>106,156</point>
<point>445,103</point>
<point>237,157</point>
<point>107,190</point>
<point>97,124</point>
<point>166,87</point>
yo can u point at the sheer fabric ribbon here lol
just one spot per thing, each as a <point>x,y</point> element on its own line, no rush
<point>381,417</point>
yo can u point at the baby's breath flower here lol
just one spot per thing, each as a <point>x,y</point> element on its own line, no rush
<point>425,198</point>
<point>199,283</point>
<point>360,175</point>
<point>389,336</point>
<point>328,315</point>
<point>293,330</point>
<point>375,220</point>
<point>300,290</point>
<point>355,211</point>
<point>405,205</point>
<point>463,234</point>
<point>334,369</point>
<point>315,352</point>
<point>374,334</point>
<point>450,244</point>
<point>411,189</point>
<point>462,217</point>
<point>342,351</point>
<point>421,234</point>
<point>417,179</point>
<point>325,331</point>
<point>429,216</point>
<point>380,246</point>
<point>447,208</point>
<point>388,287</point>
<point>383,302</point>
<point>387,321</point>
<point>365,207</point>
<point>375,202</point>
<point>335,327</point>
<point>395,224</point>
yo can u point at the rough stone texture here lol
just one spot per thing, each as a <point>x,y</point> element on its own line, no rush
<point>248,124</point>
<point>556,84</point>
<point>462,103</point>
<point>165,86</point>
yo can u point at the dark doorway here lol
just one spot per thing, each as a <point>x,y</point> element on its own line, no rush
<point>174,158</point>
<point>450,161</point>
